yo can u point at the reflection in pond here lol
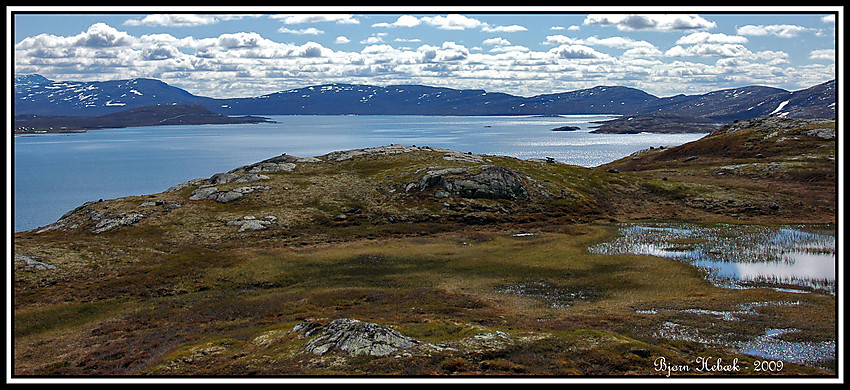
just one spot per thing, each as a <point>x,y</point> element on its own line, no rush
<point>736,255</point>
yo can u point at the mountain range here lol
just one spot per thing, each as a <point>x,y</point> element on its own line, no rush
<point>37,95</point>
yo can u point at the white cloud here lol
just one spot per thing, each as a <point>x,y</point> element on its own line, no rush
<point>249,64</point>
<point>618,42</point>
<point>577,52</point>
<point>402,21</point>
<point>496,42</point>
<point>452,22</point>
<point>372,40</point>
<point>828,19</point>
<point>615,42</point>
<point>559,40</point>
<point>460,22</point>
<point>305,31</point>
<point>160,51</point>
<point>708,50</point>
<point>182,20</point>
<point>655,22</point>
<point>779,30</point>
<point>316,18</point>
<point>823,54</point>
<point>705,37</point>
<point>511,28</point>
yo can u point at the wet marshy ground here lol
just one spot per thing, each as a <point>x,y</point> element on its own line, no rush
<point>737,256</point>
<point>791,258</point>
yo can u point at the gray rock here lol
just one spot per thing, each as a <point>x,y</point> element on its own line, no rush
<point>30,262</point>
<point>272,167</point>
<point>357,338</point>
<point>465,157</point>
<point>190,183</point>
<point>248,190</point>
<point>112,223</point>
<point>225,196</point>
<point>307,329</point>
<point>494,182</point>
<point>253,225</point>
<point>213,193</point>
<point>222,178</point>
<point>251,177</point>
<point>203,193</point>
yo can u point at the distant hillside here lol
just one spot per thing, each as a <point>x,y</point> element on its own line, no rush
<point>657,123</point>
<point>141,116</point>
<point>37,95</point>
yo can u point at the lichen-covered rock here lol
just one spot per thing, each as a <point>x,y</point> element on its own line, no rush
<point>215,194</point>
<point>493,182</point>
<point>31,262</point>
<point>121,220</point>
<point>249,222</point>
<point>356,338</point>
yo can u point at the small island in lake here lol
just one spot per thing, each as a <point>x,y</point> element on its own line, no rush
<point>567,128</point>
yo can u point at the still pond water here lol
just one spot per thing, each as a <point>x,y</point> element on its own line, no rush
<point>58,172</point>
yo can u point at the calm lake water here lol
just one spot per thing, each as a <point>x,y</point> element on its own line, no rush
<point>57,172</point>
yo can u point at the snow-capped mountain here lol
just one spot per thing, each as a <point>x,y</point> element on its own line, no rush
<point>37,95</point>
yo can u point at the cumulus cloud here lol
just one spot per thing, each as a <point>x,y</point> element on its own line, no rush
<point>316,18</point>
<point>496,42</point>
<point>182,20</point>
<point>160,51</point>
<point>577,52</point>
<point>249,64</point>
<point>452,22</point>
<point>705,37</point>
<point>615,42</point>
<point>402,21</point>
<point>779,30</point>
<point>511,28</point>
<point>656,22</point>
<point>708,50</point>
<point>303,31</point>
<point>822,54</point>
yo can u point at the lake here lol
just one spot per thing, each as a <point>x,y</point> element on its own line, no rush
<point>54,173</point>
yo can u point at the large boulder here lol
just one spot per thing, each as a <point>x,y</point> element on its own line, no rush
<point>493,182</point>
<point>355,337</point>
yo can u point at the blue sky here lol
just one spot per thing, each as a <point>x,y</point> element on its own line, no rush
<point>234,52</point>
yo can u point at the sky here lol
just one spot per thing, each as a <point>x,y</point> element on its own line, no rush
<point>240,52</point>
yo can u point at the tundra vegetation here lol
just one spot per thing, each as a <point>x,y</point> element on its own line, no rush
<point>417,261</point>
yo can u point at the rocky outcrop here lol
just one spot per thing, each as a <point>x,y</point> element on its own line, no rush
<point>282,163</point>
<point>493,182</point>
<point>30,262</point>
<point>448,154</point>
<point>125,219</point>
<point>353,337</point>
<point>250,222</point>
<point>223,196</point>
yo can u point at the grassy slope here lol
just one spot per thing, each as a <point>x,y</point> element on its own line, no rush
<point>182,293</point>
